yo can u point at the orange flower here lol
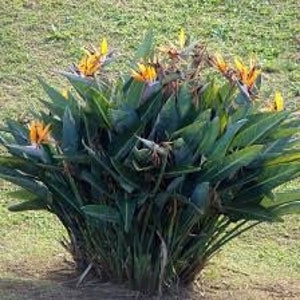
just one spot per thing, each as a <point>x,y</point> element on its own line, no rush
<point>145,73</point>
<point>38,132</point>
<point>219,63</point>
<point>246,75</point>
<point>92,60</point>
<point>89,64</point>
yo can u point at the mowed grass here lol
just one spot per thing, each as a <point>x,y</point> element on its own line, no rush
<point>37,38</point>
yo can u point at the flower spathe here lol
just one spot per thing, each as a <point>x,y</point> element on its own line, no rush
<point>38,132</point>
<point>92,60</point>
<point>145,73</point>
<point>219,63</point>
<point>246,75</point>
<point>89,65</point>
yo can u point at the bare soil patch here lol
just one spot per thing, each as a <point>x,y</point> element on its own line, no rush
<point>58,281</point>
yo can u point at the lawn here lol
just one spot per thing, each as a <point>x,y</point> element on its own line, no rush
<point>37,38</point>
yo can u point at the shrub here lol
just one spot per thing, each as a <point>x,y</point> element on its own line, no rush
<point>152,173</point>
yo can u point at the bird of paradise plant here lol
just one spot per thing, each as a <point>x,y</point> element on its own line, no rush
<point>152,173</point>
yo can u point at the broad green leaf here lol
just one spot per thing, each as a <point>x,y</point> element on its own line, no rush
<point>21,164</point>
<point>251,212</point>
<point>123,118</point>
<point>184,102</point>
<point>211,133</point>
<point>227,166</point>
<point>134,94</point>
<point>183,155</point>
<point>101,212</point>
<point>81,85</point>
<point>57,98</point>
<point>283,158</point>
<point>31,185</point>
<point>254,133</point>
<point>99,105</point>
<point>33,204</point>
<point>269,178</point>
<point>181,170</point>
<point>19,132</point>
<point>70,138</point>
<point>167,121</point>
<point>281,198</point>
<point>21,194</point>
<point>127,209</point>
<point>287,208</point>
<point>64,195</point>
<point>128,176</point>
<point>192,134</point>
<point>223,143</point>
<point>200,197</point>
<point>96,183</point>
<point>145,51</point>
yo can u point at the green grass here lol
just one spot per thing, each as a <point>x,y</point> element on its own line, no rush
<point>37,38</point>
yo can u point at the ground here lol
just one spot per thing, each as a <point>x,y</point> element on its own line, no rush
<point>37,38</point>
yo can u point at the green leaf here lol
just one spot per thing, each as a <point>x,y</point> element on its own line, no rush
<point>122,144</point>
<point>200,197</point>
<point>269,178</point>
<point>167,121</point>
<point>192,134</point>
<point>127,209</point>
<point>18,131</point>
<point>283,158</point>
<point>53,94</point>
<point>211,132</point>
<point>223,143</point>
<point>181,170</point>
<point>96,183</point>
<point>100,105</point>
<point>251,212</point>
<point>287,208</point>
<point>33,204</point>
<point>134,94</point>
<point>101,212</point>
<point>255,132</point>
<point>21,164</point>
<point>123,118</point>
<point>82,85</point>
<point>145,51</point>
<point>184,102</point>
<point>222,168</point>
<point>128,176</point>
<point>70,138</point>
<point>281,198</point>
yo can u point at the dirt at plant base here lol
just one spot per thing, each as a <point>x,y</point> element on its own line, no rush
<point>52,282</point>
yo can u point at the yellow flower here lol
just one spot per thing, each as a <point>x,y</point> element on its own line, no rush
<point>246,75</point>
<point>65,93</point>
<point>218,62</point>
<point>103,49</point>
<point>145,73</point>
<point>181,38</point>
<point>38,132</point>
<point>278,102</point>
